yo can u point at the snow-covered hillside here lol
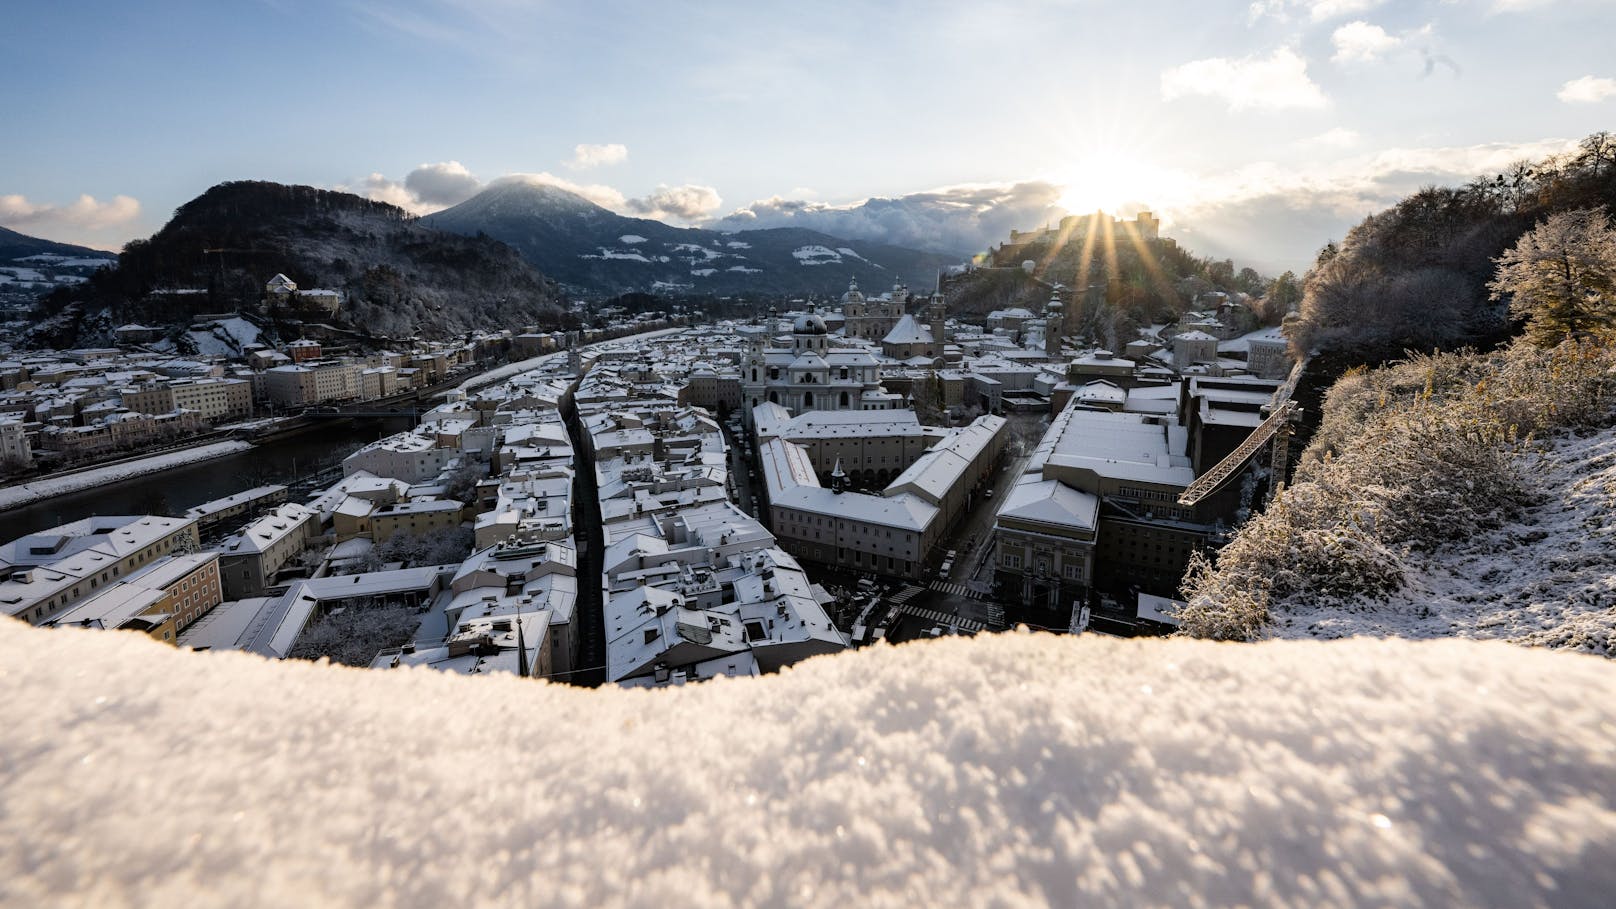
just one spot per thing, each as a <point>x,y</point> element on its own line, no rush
<point>1456,494</point>
<point>1546,578</point>
<point>1021,770</point>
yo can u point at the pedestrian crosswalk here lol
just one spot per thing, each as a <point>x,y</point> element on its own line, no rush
<point>932,615</point>
<point>905,595</point>
<point>950,587</point>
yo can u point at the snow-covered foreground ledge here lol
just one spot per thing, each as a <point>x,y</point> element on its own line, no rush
<point>1017,770</point>
<point>28,493</point>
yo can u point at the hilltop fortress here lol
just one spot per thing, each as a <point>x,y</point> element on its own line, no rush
<point>1011,254</point>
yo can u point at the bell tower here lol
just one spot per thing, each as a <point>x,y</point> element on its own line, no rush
<point>1054,326</point>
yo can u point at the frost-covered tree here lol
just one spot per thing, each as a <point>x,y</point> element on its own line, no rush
<point>1561,277</point>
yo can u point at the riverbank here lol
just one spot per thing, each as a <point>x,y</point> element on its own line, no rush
<point>61,484</point>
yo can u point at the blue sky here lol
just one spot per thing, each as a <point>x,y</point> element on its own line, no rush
<point>1259,130</point>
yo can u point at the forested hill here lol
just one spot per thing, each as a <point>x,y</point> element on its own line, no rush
<point>1415,276</point>
<point>397,276</point>
<point>1146,281</point>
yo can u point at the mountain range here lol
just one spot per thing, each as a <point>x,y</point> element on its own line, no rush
<point>592,250</point>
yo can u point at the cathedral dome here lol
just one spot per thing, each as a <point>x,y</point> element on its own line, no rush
<point>808,324</point>
<point>853,295</point>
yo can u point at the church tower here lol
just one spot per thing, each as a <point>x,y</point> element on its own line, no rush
<point>936,312</point>
<point>1054,326</point>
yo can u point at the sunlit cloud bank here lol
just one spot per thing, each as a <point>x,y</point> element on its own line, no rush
<point>1270,216</point>
<point>957,219</point>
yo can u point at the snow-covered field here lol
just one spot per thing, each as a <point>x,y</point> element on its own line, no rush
<point>1548,579</point>
<point>816,255</point>
<point>27,493</point>
<point>631,239</point>
<point>1013,771</point>
<point>225,338</point>
<point>616,254</point>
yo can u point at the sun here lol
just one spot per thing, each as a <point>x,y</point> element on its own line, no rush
<point>1108,181</point>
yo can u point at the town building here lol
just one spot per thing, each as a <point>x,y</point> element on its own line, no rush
<point>48,571</point>
<point>161,599</point>
<point>251,560</point>
<point>897,532</point>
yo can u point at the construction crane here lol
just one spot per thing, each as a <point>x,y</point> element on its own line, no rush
<point>222,251</point>
<point>1281,411</point>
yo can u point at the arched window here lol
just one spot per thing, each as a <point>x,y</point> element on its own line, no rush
<point>844,399</point>
<point>774,397</point>
<point>807,399</point>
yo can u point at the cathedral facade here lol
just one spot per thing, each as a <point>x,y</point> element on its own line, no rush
<point>872,318</point>
<point>810,374</point>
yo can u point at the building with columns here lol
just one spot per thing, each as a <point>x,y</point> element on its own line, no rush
<point>810,374</point>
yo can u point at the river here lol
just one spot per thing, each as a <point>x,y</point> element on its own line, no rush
<point>173,491</point>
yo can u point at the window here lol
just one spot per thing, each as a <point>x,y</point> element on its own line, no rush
<point>1012,561</point>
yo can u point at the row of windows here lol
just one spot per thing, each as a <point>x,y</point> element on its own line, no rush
<point>1146,495</point>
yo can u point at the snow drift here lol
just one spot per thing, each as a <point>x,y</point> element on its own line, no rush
<point>1017,770</point>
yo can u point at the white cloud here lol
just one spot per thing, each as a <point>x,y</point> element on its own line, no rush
<point>86,220</point>
<point>1276,82</point>
<point>585,156</point>
<point>688,203</point>
<point>1587,90</point>
<point>85,212</point>
<point>426,189</point>
<point>1313,10</point>
<point>1360,42</point>
<point>445,183</point>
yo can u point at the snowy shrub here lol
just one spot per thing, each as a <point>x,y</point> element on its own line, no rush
<point>1408,459</point>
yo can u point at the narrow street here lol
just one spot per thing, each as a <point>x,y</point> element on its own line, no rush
<point>740,474</point>
<point>590,614</point>
<point>974,561</point>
